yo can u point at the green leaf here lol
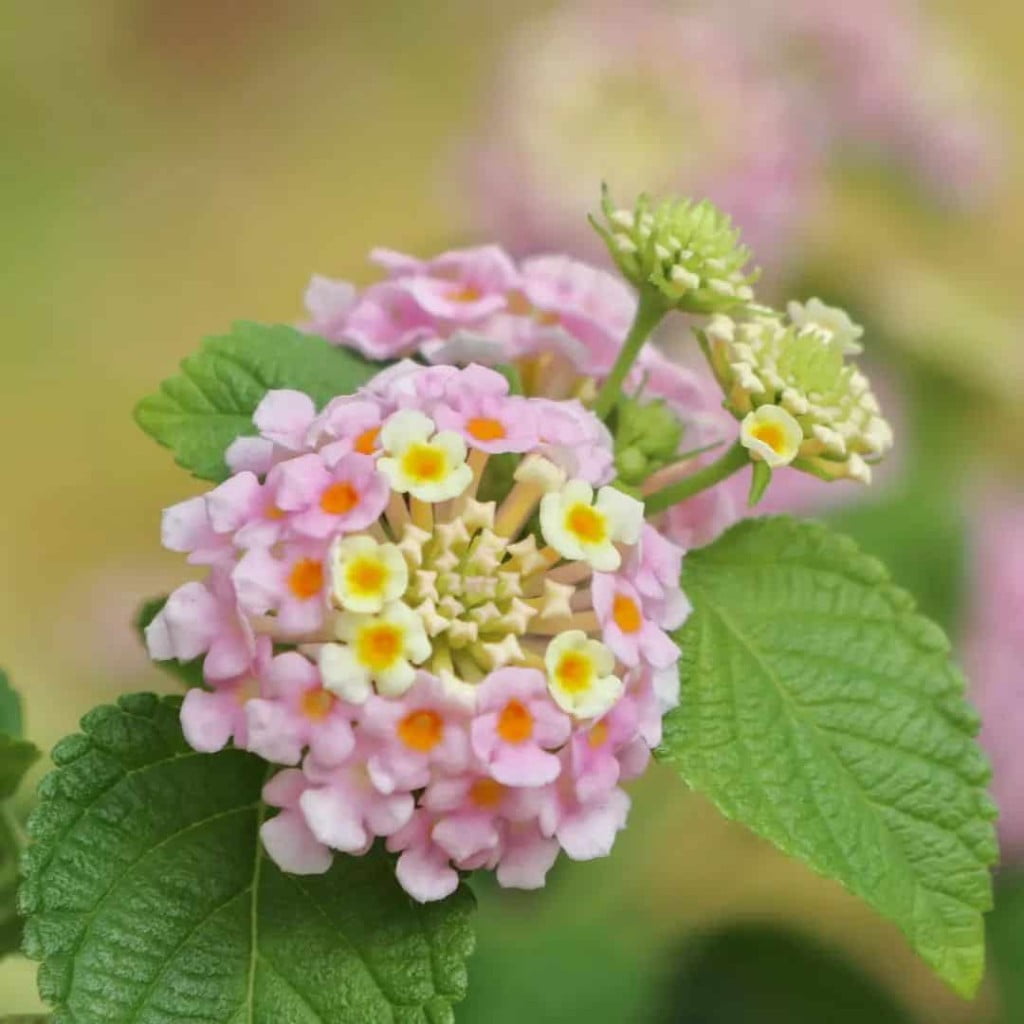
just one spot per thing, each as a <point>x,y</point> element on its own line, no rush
<point>149,900</point>
<point>16,757</point>
<point>1006,940</point>
<point>199,413</point>
<point>756,973</point>
<point>188,673</point>
<point>822,711</point>
<point>11,722</point>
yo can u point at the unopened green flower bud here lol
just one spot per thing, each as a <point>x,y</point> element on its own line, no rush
<point>647,436</point>
<point>797,365</point>
<point>688,252</point>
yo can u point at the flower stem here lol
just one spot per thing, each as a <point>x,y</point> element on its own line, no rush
<point>649,311</point>
<point>731,462</point>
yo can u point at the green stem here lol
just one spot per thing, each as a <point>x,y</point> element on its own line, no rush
<point>731,462</point>
<point>649,311</point>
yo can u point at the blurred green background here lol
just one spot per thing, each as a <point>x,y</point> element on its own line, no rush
<point>172,165</point>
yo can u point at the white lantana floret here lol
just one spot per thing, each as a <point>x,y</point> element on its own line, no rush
<point>381,649</point>
<point>578,527</point>
<point>771,435</point>
<point>580,675</point>
<point>365,574</point>
<point>421,461</point>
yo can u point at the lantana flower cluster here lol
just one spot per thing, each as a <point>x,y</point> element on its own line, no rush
<point>787,377</point>
<point>470,681</point>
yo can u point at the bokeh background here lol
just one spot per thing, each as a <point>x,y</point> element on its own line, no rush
<point>172,165</point>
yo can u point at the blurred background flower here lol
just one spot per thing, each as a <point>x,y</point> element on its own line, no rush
<point>173,166</point>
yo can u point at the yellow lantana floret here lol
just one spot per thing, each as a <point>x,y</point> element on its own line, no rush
<point>580,674</point>
<point>366,575</point>
<point>772,435</point>
<point>581,529</point>
<point>381,649</point>
<point>422,461</point>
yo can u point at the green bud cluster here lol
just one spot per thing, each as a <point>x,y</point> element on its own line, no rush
<point>647,437</point>
<point>688,252</point>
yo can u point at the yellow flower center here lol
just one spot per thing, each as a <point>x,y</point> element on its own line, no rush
<point>421,731</point>
<point>366,576</point>
<point>484,429</point>
<point>465,294</point>
<point>770,434</point>
<point>339,498</point>
<point>317,704</point>
<point>486,793</point>
<point>379,646</point>
<point>575,672</point>
<point>586,523</point>
<point>515,723</point>
<point>424,463</point>
<point>306,579</point>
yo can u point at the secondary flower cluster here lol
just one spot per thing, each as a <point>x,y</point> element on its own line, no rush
<point>471,680</point>
<point>558,320</point>
<point>788,379</point>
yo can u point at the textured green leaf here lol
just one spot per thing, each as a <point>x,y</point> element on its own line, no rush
<point>10,708</point>
<point>200,412</point>
<point>188,673</point>
<point>149,901</point>
<point>822,711</point>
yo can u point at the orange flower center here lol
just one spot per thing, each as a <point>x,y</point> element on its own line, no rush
<point>586,523</point>
<point>366,442</point>
<point>771,435</point>
<point>307,579</point>
<point>598,735</point>
<point>626,613</point>
<point>317,704</point>
<point>486,793</point>
<point>424,462</point>
<point>515,723</point>
<point>339,498</point>
<point>274,514</point>
<point>484,429</point>
<point>421,731</point>
<point>465,294</point>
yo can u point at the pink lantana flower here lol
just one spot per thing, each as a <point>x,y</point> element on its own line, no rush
<point>584,830</point>
<point>288,839</point>
<point>211,720</point>
<point>627,629</point>
<point>283,419</point>
<point>290,584</point>
<point>344,809</point>
<point>424,868</point>
<point>204,619</point>
<point>517,727</point>
<point>415,736</point>
<point>322,498</point>
<point>295,712</point>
